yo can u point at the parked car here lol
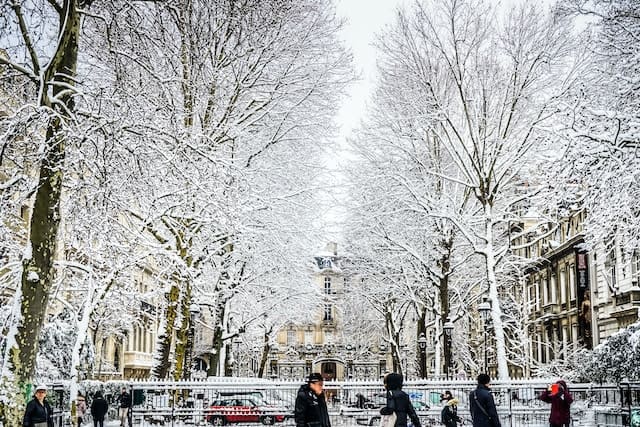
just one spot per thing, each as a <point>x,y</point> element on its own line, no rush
<point>271,397</point>
<point>243,409</point>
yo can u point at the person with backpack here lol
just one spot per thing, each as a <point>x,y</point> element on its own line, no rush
<point>449,414</point>
<point>482,406</point>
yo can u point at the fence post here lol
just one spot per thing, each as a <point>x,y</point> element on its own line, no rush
<point>510,406</point>
<point>628,397</point>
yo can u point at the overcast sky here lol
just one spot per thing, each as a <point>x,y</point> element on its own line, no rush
<point>364,19</point>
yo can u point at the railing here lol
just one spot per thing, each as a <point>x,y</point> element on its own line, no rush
<point>351,403</point>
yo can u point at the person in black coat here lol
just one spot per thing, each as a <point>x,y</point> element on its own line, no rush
<point>38,411</point>
<point>449,414</point>
<point>125,406</point>
<point>398,401</point>
<point>311,405</point>
<point>482,406</point>
<point>99,409</point>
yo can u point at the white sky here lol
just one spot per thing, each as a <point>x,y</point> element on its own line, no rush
<point>364,19</point>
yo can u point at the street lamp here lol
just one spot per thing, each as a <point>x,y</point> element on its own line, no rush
<point>422,345</point>
<point>484,308</point>
<point>448,329</point>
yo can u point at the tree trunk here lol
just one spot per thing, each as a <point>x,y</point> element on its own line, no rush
<point>496,310</point>
<point>165,338</point>
<point>266,348</point>
<point>38,268</point>
<point>182,336</point>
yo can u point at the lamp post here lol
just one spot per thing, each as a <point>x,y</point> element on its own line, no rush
<point>194,312</point>
<point>448,329</point>
<point>422,345</point>
<point>484,308</point>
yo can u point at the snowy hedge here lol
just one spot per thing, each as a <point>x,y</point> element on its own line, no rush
<point>616,359</point>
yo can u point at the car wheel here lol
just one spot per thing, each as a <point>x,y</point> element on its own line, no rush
<point>268,420</point>
<point>217,421</point>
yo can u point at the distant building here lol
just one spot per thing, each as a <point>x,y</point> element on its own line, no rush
<point>320,345</point>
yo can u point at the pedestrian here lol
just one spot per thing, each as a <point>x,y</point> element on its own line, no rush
<point>482,406</point>
<point>449,415</point>
<point>398,402</point>
<point>311,405</point>
<point>99,408</point>
<point>125,405</point>
<point>81,408</point>
<point>38,412</point>
<point>360,401</point>
<point>560,398</point>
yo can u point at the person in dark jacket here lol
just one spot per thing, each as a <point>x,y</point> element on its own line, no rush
<point>311,405</point>
<point>99,409</point>
<point>558,395</point>
<point>398,401</point>
<point>125,406</point>
<point>38,412</point>
<point>482,405</point>
<point>449,415</point>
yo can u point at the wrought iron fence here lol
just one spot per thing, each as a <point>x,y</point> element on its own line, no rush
<point>257,401</point>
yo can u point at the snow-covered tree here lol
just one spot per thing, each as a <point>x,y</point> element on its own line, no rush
<point>41,41</point>
<point>603,122</point>
<point>246,87</point>
<point>484,87</point>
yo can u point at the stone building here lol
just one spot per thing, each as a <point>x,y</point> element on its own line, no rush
<point>576,297</point>
<point>321,345</point>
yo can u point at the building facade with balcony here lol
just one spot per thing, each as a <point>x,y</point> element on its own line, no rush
<point>320,345</point>
<point>577,297</point>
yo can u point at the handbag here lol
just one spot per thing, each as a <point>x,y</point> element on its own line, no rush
<point>388,420</point>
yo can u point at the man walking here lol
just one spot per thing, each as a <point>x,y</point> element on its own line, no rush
<point>482,405</point>
<point>311,406</point>
<point>125,405</point>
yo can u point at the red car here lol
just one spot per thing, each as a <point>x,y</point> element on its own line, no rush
<point>243,409</point>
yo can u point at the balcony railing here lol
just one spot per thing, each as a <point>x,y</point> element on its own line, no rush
<point>137,359</point>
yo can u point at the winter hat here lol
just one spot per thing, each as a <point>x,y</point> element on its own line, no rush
<point>41,387</point>
<point>394,381</point>
<point>315,378</point>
